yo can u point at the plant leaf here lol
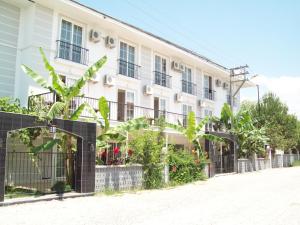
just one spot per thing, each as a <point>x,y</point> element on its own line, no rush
<point>104,111</point>
<point>78,112</point>
<point>36,77</point>
<point>46,146</point>
<point>57,84</point>
<point>56,109</point>
<point>74,90</point>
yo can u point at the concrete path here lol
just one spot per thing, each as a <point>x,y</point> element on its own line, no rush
<point>265,197</point>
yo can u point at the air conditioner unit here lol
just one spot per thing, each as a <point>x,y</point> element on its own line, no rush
<point>109,80</point>
<point>179,97</point>
<point>110,42</point>
<point>218,83</point>
<point>177,66</point>
<point>148,90</point>
<point>95,36</point>
<point>225,85</point>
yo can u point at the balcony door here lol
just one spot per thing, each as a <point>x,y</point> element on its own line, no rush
<point>185,111</point>
<point>127,60</point>
<point>187,85</point>
<point>70,41</point>
<point>125,105</point>
<point>159,107</point>
<point>208,88</point>
<point>160,71</point>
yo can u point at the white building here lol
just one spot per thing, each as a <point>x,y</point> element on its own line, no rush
<point>144,75</point>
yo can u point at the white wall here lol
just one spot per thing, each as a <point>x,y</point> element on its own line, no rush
<point>40,26</point>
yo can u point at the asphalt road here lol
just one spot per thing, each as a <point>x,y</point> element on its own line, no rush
<point>265,197</point>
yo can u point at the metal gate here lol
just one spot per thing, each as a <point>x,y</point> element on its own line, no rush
<point>37,172</point>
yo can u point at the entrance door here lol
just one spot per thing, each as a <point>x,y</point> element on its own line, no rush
<point>121,105</point>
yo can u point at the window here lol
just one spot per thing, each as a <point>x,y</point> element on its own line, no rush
<point>160,107</point>
<point>130,105</point>
<point>185,111</point>
<point>208,112</point>
<point>127,65</point>
<point>187,85</point>
<point>161,78</point>
<point>209,93</point>
<point>70,43</point>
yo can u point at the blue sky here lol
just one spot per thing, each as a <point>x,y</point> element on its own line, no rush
<point>263,34</point>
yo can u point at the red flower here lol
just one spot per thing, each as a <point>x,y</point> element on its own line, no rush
<point>130,152</point>
<point>116,150</point>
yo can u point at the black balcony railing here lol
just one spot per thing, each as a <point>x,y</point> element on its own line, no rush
<point>117,111</point>
<point>209,94</point>
<point>189,87</point>
<point>74,53</point>
<point>162,79</point>
<point>128,69</point>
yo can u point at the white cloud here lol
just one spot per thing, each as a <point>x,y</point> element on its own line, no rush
<point>287,88</point>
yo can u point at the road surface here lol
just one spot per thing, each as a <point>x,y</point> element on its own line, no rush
<point>265,197</point>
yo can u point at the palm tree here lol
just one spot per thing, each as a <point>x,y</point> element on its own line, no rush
<point>61,108</point>
<point>195,132</point>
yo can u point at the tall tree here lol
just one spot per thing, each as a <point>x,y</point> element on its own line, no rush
<point>272,113</point>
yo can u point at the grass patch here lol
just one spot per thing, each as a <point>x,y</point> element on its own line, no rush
<point>296,163</point>
<point>16,192</point>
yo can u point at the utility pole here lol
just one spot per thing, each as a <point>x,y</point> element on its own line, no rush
<point>237,75</point>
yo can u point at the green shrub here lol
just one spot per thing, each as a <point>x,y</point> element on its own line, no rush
<point>296,163</point>
<point>146,150</point>
<point>60,187</point>
<point>184,168</point>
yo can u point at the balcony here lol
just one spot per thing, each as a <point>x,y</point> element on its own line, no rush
<point>209,94</point>
<point>128,69</point>
<point>74,53</point>
<point>189,87</point>
<point>162,79</point>
<point>117,111</point>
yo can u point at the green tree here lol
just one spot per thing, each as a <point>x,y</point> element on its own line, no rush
<point>195,132</point>
<point>61,108</point>
<point>280,126</point>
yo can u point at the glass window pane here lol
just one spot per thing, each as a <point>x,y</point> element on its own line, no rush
<point>123,51</point>
<point>66,30</point>
<point>131,52</point>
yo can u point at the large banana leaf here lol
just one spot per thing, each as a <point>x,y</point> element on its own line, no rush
<point>132,125</point>
<point>176,127</point>
<point>46,146</point>
<point>57,84</point>
<point>202,123</point>
<point>55,110</point>
<point>211,137</point>
<point>104,111</point>
<point>191,126</point>
<point>36,77</point>
<point>78,112</point>
<point>74,90</point>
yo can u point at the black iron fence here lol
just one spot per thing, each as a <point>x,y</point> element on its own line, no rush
<point>117,111</point>
<point>74,53</point>
<point>209,94</point>
<point>189,87</point>
<point>128,69</point>
<point>162,79</point>
<point>37,172</point>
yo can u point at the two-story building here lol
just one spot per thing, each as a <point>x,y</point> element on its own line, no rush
<point>145,75</point>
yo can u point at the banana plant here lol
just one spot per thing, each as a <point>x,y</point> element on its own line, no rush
<point>119,133</point>
<point>65,94</point>
<point>61,108</point>
<point>195,132</point>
